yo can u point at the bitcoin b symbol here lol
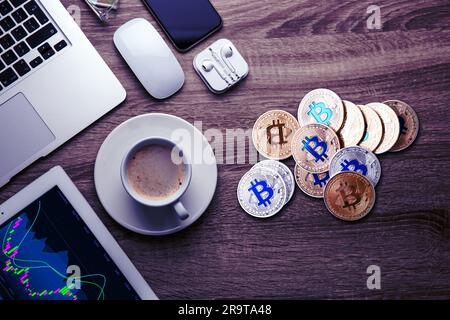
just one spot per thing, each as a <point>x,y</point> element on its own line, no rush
<point>260,189</point>
<point>276,125</point>
<point>357,166</point>
<point>319,109</point>
<point>316,145</point>
<point>349,195</point>
<point>321,182</point>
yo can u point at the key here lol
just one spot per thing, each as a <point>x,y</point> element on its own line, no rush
<point>21,49</point>
<point>33,9</point>
<point>21,67</point>
<point>9,57</point>
<point>31,25</point>
<point>8,76</point>
<point>5,8</point>
<point>7,24</point>
<point>35,62</point>
<point>42,35</point>
<point>60,45</point>
<point>46,51</point>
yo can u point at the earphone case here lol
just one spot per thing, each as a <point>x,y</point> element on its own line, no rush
<point>212,79</point>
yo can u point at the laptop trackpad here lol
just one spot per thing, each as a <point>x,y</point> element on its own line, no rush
<point>22,133</point>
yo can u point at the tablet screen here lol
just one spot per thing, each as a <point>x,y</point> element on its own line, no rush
<point>48,252</point>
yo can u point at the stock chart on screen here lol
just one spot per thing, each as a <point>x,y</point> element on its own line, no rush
<point>49,253</point>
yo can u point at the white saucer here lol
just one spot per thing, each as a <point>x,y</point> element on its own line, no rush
<point>127,212</point>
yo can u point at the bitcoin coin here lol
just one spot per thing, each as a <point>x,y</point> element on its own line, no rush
<point>391,126</point>
<point>409,124</point>
<point>349,196</point>
<point>272,134</point>
<point>284,172</point>
<point>354,126</point>
<point>359,160</point>
<point>313,184</point>
<point>262,192</point>
<point>321,106</point>
<point>313,146</point>
<point>374,129</point>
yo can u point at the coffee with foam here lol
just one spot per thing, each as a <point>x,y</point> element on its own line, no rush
<point>153,174</point>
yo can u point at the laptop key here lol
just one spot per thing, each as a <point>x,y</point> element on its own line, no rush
<point>5,8</point>
<point>7,41</point>
<point>60,45</point>
<point>31,25</point>
<point>17,3</point>
<point>21,67</point>
<point>8,76</point>
<point>9,57</point>
<point>2,65</point>
<point>41,35</point>
<point>36,61</point>
<point>19,33</point>
<point>19,15</point>
<point>33,9</point>
<point>7,23</point>
<point>46,51</point>
<point>21,49</point>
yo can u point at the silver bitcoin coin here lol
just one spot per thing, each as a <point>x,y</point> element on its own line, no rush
<point>284,171</point>
<point>262,192</point>
<point>321,106</point>
<point>359,160</point>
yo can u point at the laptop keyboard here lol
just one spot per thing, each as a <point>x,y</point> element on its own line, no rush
<point>28,37</point>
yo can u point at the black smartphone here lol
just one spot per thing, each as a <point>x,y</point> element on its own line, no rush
<point>186,22</point>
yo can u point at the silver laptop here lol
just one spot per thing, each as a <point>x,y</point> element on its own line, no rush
<point>53,83</point>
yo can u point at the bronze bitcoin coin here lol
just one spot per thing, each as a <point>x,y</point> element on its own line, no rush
<point>409,124</point>
<point>349,196</point>
<point>273,132</point>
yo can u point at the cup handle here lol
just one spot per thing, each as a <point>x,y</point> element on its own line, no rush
<point>181,211</point>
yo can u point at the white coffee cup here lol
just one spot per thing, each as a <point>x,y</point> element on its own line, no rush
<point>178,157</point>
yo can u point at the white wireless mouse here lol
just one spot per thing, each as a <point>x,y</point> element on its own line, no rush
<point>149,57</point>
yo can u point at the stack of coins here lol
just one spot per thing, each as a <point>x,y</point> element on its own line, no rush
<point>335,144</point>
<point>269,185</point>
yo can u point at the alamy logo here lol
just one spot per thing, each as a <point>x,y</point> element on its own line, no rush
<point>374,280</point>
<point>74,278</point>
<point>374,19</point>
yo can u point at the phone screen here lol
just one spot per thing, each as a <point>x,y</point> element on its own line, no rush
<point>186,22</point>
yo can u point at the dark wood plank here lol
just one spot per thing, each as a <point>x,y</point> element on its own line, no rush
<point>293,47</point>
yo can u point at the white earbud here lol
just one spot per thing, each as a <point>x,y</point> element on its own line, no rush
<point>226,53</point>
<point>208,66</point>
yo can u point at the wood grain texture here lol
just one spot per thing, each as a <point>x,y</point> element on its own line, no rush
<point>292,47</point>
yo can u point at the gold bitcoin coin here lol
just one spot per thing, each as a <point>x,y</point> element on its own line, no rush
<point>313,147</point>
<point>354,126</point>
<point>273,132</point>
<point>349,196</point>
<point>391,126</point>
<point>312,184</point>
<point>409,124</point>
<point>321,106</point>
<point>374,129</point>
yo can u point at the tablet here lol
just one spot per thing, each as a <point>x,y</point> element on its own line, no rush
<point>54,247</point>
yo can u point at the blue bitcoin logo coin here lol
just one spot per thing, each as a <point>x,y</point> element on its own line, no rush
<point>356,166</point>
<point>312,144</point>
<point>321,182</point>
<point>262,191</point>
<point>317,110</point>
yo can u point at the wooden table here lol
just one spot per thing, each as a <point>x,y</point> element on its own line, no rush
<point>293,47</point>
